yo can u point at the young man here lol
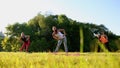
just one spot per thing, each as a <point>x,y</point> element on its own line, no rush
<point>60,37</point>
<point>26,41</point>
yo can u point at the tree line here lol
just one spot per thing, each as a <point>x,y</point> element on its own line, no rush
<point>39,29</point>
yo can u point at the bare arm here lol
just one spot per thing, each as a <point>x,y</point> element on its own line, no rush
<point>21,40</point>
<point>96,35</point>
<point>106,37</point>
<point>28,37</point>
<point>53,34</point>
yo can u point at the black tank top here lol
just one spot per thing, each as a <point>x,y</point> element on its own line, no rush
<point>24,39</point>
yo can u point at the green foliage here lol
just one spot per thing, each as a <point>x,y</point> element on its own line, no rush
<point>94,45</point>
<point>39,29</point>
<point>114,45</point>
<point>81,39</point>
<point>10,44</point>
<point>1,39</point>
<point>39,45</point>
<point>6,45</point>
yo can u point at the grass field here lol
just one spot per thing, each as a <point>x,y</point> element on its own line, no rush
<point>59,60</point>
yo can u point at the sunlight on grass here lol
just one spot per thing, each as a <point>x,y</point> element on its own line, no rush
<point>59,60</point>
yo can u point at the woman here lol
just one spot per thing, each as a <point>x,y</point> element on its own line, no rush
<point>104,40</point>
<point>60,37</point>
<point>26,41</point>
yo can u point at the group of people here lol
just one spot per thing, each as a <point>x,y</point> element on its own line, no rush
<point>60,36</point>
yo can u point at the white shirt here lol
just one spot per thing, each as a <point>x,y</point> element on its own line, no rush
<point>59,35</point>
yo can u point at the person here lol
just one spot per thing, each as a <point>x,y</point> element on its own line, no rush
<point>26,41</point>
<point>60,37</point>
<point>104,40</point>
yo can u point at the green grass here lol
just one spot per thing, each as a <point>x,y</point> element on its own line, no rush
<point>59,60</point>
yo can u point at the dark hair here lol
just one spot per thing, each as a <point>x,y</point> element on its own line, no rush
<point>56,31</point>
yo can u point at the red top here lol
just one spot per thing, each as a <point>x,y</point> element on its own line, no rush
<point>103,39</point>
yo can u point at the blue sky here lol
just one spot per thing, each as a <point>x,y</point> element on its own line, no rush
<point>105,12</point>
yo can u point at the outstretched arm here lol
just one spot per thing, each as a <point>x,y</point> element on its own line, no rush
<point>21,40</point>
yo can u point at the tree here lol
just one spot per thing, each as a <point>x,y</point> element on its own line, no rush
<point>39,29</point>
